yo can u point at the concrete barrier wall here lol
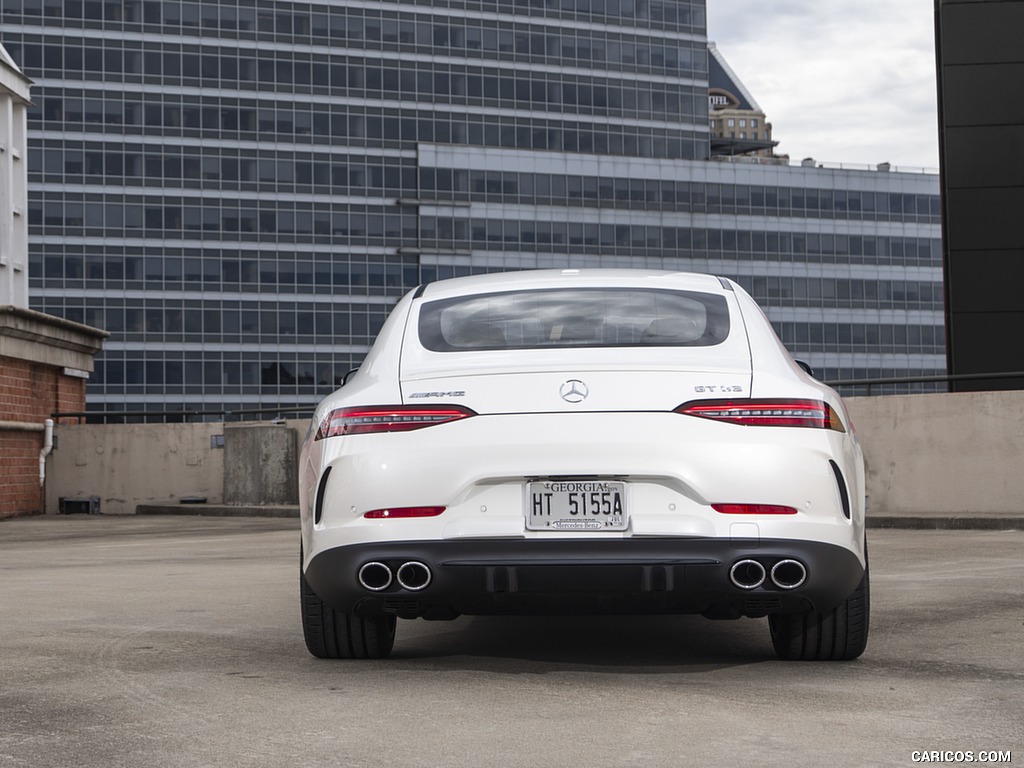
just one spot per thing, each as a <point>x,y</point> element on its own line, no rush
<point>129,464</point>
<point>957,453</point>
<point>260,463</point>
<point>925,454</point>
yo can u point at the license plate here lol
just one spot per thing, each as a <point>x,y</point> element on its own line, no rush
<point>576,505</point>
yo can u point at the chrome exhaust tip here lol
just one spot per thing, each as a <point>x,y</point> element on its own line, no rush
<point>375,576</point>
<point>413,576</point>
<point>747,574</point>
<point>788,574</point>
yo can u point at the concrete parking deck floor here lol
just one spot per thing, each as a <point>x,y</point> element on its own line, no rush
<point>175,641</point>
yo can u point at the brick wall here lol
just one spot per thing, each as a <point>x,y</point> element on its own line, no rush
<point>20,493</point>
<point>29,393</point>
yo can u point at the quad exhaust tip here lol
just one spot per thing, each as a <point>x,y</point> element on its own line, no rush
<point>375,576</point>
<point>413,575</point>
<point>785,574</point>
<point>788,574</point>
<point>747,574</point>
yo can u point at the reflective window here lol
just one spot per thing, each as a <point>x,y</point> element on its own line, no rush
<point>574,318</point>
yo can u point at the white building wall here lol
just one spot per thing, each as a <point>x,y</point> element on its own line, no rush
<point>14,103</point>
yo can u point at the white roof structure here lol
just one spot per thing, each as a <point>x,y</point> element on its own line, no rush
<point>734,78</point>
<point>14,104</point>
<point>5,57</point>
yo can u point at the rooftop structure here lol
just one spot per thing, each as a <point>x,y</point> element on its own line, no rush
<point>44,360</point>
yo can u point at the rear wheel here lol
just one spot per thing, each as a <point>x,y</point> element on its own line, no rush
<point>837,636</point>
<point>331,634</point>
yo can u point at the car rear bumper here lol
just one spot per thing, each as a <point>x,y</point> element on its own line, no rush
<point>566,576</point>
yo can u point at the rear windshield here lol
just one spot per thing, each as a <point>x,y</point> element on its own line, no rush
<point>577,317</point>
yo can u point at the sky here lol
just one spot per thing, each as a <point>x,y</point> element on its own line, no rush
<point>840,81</point>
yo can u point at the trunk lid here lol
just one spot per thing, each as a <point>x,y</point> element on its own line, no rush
<point>576,349</point>
<point>542,381</point>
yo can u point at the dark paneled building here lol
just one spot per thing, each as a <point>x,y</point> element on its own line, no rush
<point>240,191</point>
<point>981,112</point>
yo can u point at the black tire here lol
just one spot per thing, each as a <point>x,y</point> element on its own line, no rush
<point>838,636</point>
<point>331,634</point>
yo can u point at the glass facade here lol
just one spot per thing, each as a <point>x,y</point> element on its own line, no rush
<point>240,191</point>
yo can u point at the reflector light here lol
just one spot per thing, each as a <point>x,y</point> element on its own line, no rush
<point>753,509</point>
<point>387,418</point>
<point>816,414</point>
<point>381,514</point>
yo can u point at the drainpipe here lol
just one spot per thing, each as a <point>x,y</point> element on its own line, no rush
<point>47,447</point>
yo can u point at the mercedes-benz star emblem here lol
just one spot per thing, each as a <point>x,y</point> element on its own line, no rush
<point>574,391</point>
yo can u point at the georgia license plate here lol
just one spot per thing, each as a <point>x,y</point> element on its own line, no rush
<point>576,505</point>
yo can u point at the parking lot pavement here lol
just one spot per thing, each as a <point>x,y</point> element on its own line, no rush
<point>175,641</point>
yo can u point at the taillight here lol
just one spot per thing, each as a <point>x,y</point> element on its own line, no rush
<point>753,509</point>
<point>388,418</point>
<point>382,514</point>
<point>816,414</point>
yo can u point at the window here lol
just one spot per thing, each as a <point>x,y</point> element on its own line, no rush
<point>574,318</point>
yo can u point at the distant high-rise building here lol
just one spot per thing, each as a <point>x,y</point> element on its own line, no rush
<point>239,193</point>
<point>738,124</point>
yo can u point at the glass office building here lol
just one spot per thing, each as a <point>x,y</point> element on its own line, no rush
<point>240,190</point>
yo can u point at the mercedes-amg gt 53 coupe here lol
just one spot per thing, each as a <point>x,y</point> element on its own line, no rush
<point>580,442</point>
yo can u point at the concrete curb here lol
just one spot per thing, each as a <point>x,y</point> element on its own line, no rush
<point>907,522</point>
<point>218,510</point>
<point>948,522</point>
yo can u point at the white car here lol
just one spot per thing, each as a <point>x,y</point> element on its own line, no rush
<point>582,441</point>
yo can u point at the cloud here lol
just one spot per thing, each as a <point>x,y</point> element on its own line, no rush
<point>839,81</point>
